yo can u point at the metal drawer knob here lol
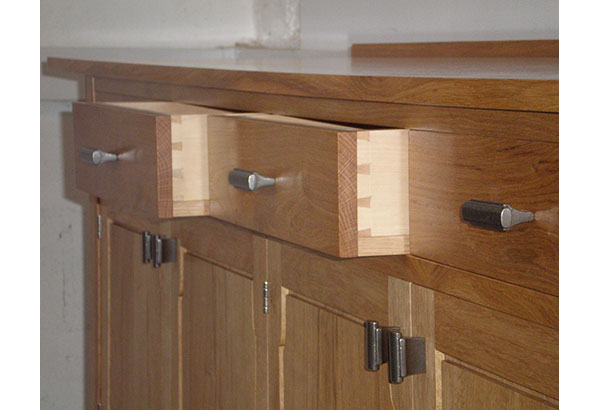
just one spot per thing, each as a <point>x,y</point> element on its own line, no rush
<point>493,215</point>
<point>249,180</point>
<point>96,157</point>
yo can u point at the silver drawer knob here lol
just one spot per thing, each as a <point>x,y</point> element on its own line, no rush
<point>249,180</point>
<point>96,157</point>
<point>493,215</point>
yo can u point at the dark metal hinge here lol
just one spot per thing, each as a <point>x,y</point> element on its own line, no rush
<point>158,249</point>
<point>404,356</point>
<point>266,298</point>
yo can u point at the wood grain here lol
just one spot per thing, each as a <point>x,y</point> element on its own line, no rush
<point>181,168</point>
<point>340,284</point>
<point>322,199</point>
<point>519,48</point>
<point>514,300</point>
<point>501,296</point>
<point>472,121</point>
<point>219,342</point>
<point>448,170</point>
<point>218,242</point>
<point>382,189</point>
<point>512,348</point>
<point>400,314</point>
<point>93,294</point>
<point>500,380</point>
<point>142,178</point>
<point>394,85</point>
<point>423,325</point>
<point>313,202</point>
<point>318,336</point>
<point>142,323</point>
<point>199,324</point>
<point>464,389</point>
<point>93,309</point>
<point>189,154</point>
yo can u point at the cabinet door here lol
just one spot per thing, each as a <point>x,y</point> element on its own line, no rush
<point>466,389</point>
<point>223,327</point>
<point>219,343</point>
<point>138,316</point>
<point>316,333</point>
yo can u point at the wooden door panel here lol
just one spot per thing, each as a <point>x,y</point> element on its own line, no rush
<point>465,389</point>
<point>218,338</point>
<point>198,329</point>
<point>323,362</point>
<point>137,357</point>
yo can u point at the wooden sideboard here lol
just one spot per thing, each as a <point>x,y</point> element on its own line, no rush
<point>207,296</point>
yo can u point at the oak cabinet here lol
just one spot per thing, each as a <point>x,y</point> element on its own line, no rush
<point>264,307</point>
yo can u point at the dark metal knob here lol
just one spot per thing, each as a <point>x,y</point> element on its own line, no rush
<point>249,180</point>
<point>493,215</point>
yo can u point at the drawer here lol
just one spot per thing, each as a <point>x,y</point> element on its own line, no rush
<point>338,190</point>
<point>162,168</point>
<point>448,170</point>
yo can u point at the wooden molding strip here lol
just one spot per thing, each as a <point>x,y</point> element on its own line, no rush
<point>520,48</point>
<point>487,123</point>
<point>490,93</point>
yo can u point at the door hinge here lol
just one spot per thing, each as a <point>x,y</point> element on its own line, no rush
<point>158,249</point>
<point>404,356</point>
<point>266,298</point>
<point>99,226</point>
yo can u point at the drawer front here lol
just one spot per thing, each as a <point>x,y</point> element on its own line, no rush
<point>161,169</point>
<point>448,170</point>
<point>316,200</point>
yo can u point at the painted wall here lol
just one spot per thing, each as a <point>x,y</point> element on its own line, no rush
<point>339,23</point>
<point>291,24</point>
<point>62,256</point>
<point>145,23</point>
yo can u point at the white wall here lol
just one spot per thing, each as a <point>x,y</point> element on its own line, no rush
<point>339,23</point>
<point>145,23</point>
<point>289,23</point>
<point>309,24</point>
<point>63,264</point>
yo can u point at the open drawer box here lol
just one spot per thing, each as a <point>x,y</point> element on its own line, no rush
<point>337,189</point>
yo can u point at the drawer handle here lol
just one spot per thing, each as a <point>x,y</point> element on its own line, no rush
<point>249,180</point>
<point>96,157</point>
<point>493,215</point>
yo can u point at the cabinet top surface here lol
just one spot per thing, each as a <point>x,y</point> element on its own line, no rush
<point>519,68</point>
<point>522,83</point>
